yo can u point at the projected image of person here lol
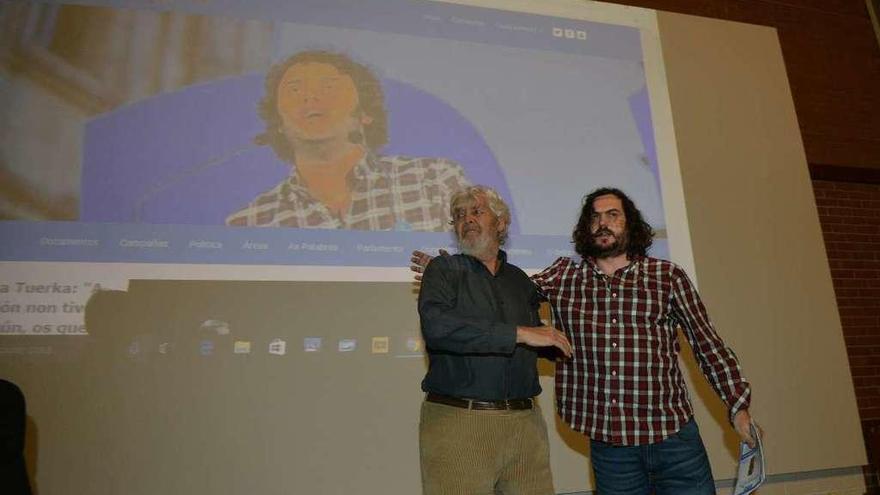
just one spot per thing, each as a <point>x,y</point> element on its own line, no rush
<point>623,387</point>
<point>480,431</point>
<point>325,115</point>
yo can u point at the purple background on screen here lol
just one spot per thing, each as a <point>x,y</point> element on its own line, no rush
<point>188,157</point>
<point>640,106</point>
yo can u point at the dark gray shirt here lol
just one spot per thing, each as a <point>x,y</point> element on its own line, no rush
<point>469,319</point>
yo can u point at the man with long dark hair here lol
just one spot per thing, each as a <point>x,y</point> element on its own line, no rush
<point>623,388</point>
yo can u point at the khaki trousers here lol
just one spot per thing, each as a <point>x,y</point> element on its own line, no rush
<point>465,452</point>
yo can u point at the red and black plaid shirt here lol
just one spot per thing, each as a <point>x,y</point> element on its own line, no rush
<point>623,384</point>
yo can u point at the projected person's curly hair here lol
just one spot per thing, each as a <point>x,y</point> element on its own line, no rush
<point>639,234</point>
<point>371,101</point>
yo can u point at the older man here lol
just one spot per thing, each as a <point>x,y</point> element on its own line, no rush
<point>480,432</point>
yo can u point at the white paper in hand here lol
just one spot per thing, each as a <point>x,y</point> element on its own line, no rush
<point>750,474</point>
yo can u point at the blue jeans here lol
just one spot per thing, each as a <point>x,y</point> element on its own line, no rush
<point>677,465</point>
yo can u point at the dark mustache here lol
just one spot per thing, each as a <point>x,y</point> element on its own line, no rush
<point>603,231</point>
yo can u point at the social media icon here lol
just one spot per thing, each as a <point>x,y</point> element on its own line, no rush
<point>347,345</point>
<point>557,32</point>
<point>569,33</point>
<point>581,34</point>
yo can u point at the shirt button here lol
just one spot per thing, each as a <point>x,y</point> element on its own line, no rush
<point>614,294</point>
<point>613,372</point>
<point>614,344</point>
<point>613,320</point>
<point>614,401</point>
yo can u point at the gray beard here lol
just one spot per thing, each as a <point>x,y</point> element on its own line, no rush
<point>479,248</point>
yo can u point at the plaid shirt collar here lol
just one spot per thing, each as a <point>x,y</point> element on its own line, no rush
<point>590,268</point>
<point>365,179</point>
<point>365,170</point>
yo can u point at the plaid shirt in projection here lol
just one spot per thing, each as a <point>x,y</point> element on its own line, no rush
<point>388,193</point>
<point>623,384</point>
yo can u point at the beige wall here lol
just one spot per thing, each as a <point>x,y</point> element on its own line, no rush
<point>757,245</point>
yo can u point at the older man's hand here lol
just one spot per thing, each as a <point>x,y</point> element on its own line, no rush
<point>419,261</point>
<point>543,336</point>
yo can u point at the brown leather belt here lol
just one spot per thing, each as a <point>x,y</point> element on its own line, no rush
<point>480,405</point>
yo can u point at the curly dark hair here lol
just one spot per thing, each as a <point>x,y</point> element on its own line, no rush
<point>369,90</point>
<point>639,233</point>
